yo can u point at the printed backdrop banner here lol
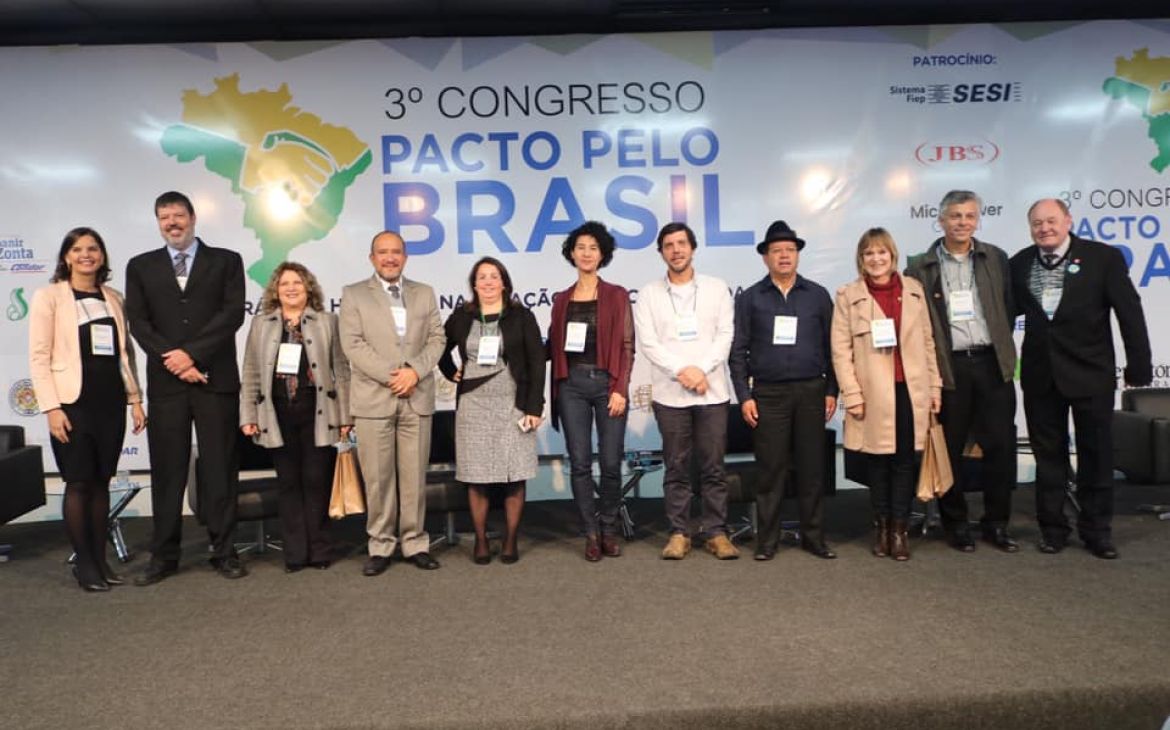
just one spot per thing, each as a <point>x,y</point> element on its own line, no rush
<point>500,146</point>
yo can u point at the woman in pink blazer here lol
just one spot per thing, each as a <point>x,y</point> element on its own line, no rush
<point>82,367</point>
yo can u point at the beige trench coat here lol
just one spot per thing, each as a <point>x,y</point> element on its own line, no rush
<point>865,374</point>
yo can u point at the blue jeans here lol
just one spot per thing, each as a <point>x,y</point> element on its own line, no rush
<point>582,399</point>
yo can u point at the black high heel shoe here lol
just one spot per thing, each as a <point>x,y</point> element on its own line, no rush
<point>509,558</point>
<point>89,585</point>
<point>110,577</point>
<point>485,557</point>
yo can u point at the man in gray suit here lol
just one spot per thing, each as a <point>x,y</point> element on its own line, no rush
<point>391,333</point>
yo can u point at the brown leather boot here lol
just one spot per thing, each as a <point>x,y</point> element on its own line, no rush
<point>881,538</point>
<point>900,541</point>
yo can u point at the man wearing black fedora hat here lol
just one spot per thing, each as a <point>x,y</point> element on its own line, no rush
<point>784,381</point>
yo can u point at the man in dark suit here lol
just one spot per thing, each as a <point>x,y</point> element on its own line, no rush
<point>184,303</point>
<point>1066,287</point>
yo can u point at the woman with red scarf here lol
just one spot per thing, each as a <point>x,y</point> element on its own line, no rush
<point>883,354</point>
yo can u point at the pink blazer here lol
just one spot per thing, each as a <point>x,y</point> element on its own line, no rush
<point>54,347</point>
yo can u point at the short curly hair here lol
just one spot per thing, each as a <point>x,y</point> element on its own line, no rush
<point>270,300</point>
<point>590,228</point>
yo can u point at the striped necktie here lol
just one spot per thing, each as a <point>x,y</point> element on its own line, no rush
<point>181,263</point>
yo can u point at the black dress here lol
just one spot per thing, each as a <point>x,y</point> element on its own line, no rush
<point>98,416</point>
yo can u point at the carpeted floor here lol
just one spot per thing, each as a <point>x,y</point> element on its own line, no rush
<point>946,640</point>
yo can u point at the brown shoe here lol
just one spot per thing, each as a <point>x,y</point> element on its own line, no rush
<point>677,548</point>
<point>721,547</point>
<point>592,548</point>
<point>610,547</point>
<point>900,541</point>
<point>881,538</point>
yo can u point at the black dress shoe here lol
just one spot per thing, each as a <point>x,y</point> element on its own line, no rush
<point>154,573</point>
<point>1049,548</point>
<point>230,568</point>
<point>320,564</point>
<point>962,541</point>
<point>375,565</point>
<point>424,561</point>
<point>90,585</point>
<point>765,553</point>
<point>1102,549</point>
<point>819,549</point>
<point>482,555</point>
<point>999,537</point>
<point>109,576</point>
<point>293,567</point>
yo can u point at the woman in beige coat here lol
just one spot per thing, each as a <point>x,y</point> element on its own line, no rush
<point>294,399</point>
<point>883,354</point>
<point>82,367</point>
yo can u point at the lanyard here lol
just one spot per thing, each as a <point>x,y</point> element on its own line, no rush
<point>670,296</point>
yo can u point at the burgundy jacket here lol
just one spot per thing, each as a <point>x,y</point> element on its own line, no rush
<point>615,339</point>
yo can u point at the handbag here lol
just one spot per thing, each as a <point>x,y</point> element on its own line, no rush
<point>935,476</point>
<point>348,496</point>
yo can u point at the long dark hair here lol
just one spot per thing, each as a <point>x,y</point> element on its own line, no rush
<point>473,305</point>
<point>62,271</point>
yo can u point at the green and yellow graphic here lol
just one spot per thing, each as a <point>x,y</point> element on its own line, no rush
<point>1144,83</point>
<point>290,168</point>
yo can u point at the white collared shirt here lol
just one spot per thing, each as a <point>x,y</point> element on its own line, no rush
<point>655,325</point>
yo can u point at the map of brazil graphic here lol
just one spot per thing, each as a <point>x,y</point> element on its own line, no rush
<point>1144,83</point>
<point>290,168</point>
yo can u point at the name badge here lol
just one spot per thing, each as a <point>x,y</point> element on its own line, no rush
<point>489,350</point>
<point>962,306</point>
<point>288,358</point>
<point>101,337</point>
<point>575,336</point>
<point>399,320</point>
<point>784,330</point>
<point>686,327</point>
<point>883,332</point>
<point>1050,300</point>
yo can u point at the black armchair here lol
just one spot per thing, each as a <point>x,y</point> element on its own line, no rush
<point>22,486</point>
<point>1141,436</point>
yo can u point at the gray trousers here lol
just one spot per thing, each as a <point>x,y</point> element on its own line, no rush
<point>393,453</point>
<point>700,431</point>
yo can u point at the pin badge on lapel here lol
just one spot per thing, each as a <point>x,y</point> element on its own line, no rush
<point>1075,266</point>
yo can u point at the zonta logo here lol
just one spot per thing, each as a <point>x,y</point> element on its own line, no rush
<point>17,306</point>
<point>935,153</point>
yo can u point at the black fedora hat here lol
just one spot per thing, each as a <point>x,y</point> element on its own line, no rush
<point>779,231</point>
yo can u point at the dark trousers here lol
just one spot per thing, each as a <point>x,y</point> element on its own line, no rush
<point>215,416</point>
<point>304,475</point>
<point>790,437</point>
<point>892,477</point>
<point>700,431</point>
<point>982,405</point>
<point>1047,416</point>
<point>583,399</point>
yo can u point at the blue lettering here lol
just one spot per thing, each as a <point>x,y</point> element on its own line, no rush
<point>627,145</point>
<point>711,222</point>
<point>656,158</point>
<point>503,138</point>
<point>395,148</point>
<point>554,154</point>
<point>429,153</point>
<point>457,152</point>
<point>678,198</point>
<point>1158,265</point>
<point>595,143</point>
<point>712,146</point>
<point>559,194</point>
<point>631,212</point>
<point>422,201</point>
<point>490,223</point>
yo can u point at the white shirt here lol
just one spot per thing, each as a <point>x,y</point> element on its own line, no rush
<point>655,326</point>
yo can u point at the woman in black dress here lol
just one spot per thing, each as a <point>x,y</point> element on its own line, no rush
<point>82,367</point>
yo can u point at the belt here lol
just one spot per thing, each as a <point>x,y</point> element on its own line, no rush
<point>982,351</point>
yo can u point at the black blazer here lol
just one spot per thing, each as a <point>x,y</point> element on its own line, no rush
<point>523,352</point>
<point>1073,353</point>
<point>202,319</point>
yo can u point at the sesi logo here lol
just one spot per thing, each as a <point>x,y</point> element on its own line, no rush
<point>933,153</point>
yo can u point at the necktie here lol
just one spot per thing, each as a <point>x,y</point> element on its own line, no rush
<point>1050,260</point>
<point>181,263</point>
<point>394,295</point>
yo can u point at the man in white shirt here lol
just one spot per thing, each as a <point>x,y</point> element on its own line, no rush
<point>684,327</point>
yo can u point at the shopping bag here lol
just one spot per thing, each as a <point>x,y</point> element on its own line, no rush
<point>348,495</point>
<point>935,476</point>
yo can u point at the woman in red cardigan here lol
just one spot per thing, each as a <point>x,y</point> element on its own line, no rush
<point>591,345</point>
